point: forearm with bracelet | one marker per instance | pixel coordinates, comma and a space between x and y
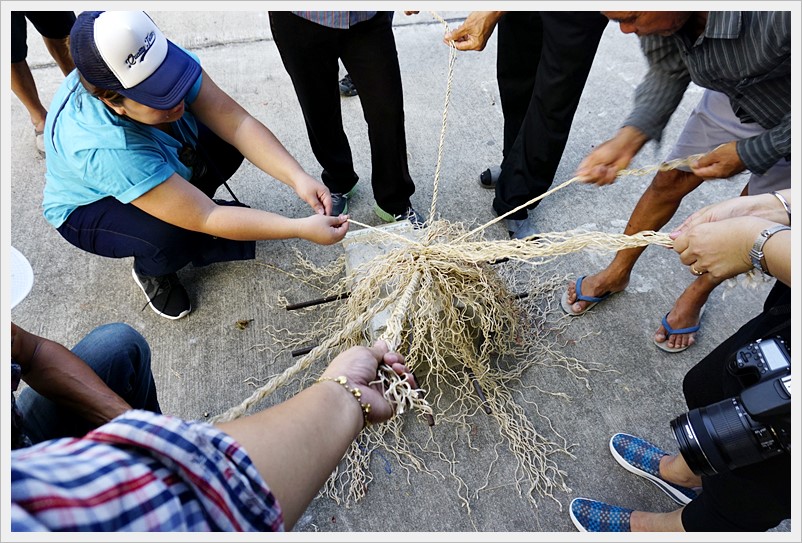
756, 253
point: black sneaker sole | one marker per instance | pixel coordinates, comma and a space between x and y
165, 315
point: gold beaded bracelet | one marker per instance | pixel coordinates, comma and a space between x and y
355, 392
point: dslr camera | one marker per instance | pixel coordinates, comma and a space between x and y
748, 428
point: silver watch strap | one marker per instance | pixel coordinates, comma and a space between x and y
756, 253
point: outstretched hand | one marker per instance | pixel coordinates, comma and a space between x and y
314, 193
720, 248
765, 206
360, 366
474, 33
323, 229
602, 165
721, 163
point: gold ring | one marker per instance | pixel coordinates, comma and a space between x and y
695, 271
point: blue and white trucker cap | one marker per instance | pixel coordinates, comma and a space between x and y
126, 52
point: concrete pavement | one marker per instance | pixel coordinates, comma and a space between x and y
201, 363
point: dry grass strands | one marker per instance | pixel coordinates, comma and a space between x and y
453, 315
456, 318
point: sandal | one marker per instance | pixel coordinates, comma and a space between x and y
488, 178
40, 141
581, 298
675, 331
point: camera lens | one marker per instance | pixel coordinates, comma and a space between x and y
721, 437
689, 443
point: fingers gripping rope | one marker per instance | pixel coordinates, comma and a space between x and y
398, 390
662, 167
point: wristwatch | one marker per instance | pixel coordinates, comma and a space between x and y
756, 253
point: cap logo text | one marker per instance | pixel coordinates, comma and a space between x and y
132, 59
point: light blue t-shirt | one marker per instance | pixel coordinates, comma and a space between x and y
92, 153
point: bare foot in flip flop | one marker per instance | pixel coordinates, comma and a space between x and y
592, 290
683, 321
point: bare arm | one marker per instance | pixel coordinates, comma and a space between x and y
56, 373
777, 251
721, 163
717, 239
296, 444
226, 118
180, 203
765, 206
722, 248
475, 30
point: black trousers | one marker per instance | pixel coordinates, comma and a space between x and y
755, 497
543, 62
50, 24
310, 53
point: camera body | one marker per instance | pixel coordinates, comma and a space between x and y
760, 361
748, 428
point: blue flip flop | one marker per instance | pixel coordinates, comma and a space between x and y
675, 331
581, 297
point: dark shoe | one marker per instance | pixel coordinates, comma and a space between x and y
514, 226
339, 202
166, 296
347, 87
488, 178
592, 516
642, 458
409, 214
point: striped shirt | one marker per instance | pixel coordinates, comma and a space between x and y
336, 19
141, 472
743, 54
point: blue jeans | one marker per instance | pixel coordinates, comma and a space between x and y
120, 356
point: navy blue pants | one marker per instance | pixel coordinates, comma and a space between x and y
116, 230
120, 356
544, 59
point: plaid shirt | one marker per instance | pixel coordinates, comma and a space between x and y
743, 54
335, 19
141, 472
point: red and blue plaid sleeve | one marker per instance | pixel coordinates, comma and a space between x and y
141, 472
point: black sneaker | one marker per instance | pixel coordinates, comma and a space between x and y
347, 87
339, 202
166, 296
409, 214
